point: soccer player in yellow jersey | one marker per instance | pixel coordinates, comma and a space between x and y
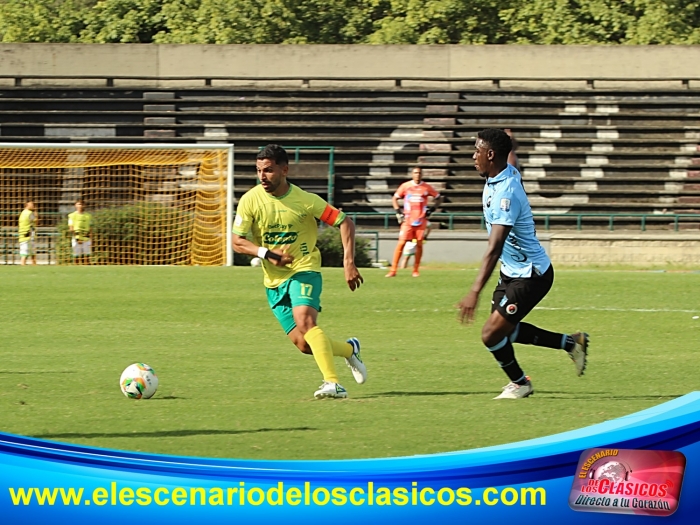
282, 220
27, 226
79, 223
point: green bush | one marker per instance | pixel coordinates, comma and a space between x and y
152, 233
331, 247
142, 233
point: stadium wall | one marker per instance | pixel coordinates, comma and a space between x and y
566, 248
638, 249
183, 63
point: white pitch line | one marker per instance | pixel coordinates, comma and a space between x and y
609, 309
563, 308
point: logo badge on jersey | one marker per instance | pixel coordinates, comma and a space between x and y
511, 309
505, 204
273, 238
488, 202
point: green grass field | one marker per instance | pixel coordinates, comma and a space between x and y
232, 385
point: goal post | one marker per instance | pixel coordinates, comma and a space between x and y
158, 204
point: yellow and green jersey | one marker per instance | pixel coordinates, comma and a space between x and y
81, 224
288, 222
27, 222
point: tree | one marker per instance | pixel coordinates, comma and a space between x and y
441, 22
123, 21
603, 22
268, 21
667, 22
352, 21
42, 20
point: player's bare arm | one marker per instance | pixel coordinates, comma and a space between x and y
497, 238
278, 257
347, 236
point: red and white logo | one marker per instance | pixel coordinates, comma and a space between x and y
619, 481
511, 308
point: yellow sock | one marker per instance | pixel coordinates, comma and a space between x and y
341, 349
322, 349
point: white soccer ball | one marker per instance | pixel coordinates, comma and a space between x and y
256, 261
138, 381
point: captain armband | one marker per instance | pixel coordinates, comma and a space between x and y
330, 215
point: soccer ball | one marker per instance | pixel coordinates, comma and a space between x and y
256, 261
138, 381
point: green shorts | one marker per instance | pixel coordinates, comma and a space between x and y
301, 289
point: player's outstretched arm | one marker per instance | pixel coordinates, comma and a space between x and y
497, 238
347, 236
276, 256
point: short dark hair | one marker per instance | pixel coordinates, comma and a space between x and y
498, 140
274, 152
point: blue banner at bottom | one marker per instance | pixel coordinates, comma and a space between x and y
557, 477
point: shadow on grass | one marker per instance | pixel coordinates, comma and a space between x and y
606, 395
421, 393
538, 393
166, 433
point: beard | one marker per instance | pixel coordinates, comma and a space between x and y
270, 187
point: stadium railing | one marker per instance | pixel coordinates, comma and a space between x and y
47, 238
372, 237
673, 219
45, 242
305, 80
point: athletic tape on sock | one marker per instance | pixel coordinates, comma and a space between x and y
499, 345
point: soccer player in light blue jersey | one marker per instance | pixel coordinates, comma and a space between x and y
526, 271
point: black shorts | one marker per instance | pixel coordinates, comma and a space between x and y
514, 297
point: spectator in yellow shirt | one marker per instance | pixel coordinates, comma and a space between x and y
79, 223
27, 230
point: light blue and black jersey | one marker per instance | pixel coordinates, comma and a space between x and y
505, 203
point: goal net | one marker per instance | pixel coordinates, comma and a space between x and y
150, 204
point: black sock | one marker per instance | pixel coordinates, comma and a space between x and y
505, 355
528, 334
569, 343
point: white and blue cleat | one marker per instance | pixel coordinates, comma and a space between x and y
330, 390
359, 370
